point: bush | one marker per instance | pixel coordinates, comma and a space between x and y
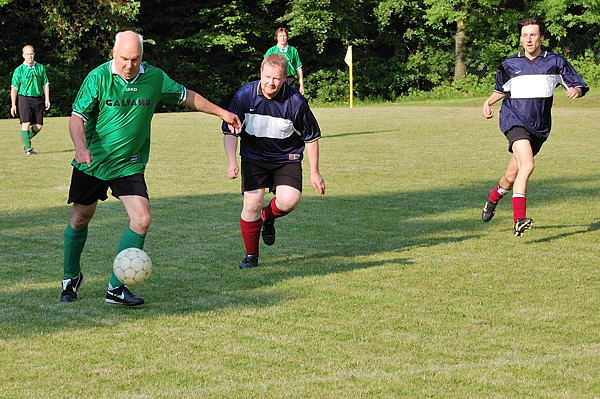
588, 68
327, 86
469, 86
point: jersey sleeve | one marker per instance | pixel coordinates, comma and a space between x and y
502, 79
570, 78
298, 62
16, 79
172, 92
307, 124
45, 77
87, 97
270, 51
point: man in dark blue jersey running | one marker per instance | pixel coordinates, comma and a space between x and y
526, 83
277, 126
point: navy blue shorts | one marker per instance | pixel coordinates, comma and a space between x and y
260, 174
86, 189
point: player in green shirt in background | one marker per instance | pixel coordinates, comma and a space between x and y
30, 93
293, 58
110, 129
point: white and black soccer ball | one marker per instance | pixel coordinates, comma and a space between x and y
132, 266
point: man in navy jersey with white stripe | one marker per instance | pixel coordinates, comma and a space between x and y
277, 126
526, 83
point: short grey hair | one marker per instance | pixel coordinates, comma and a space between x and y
140, 39
275, 59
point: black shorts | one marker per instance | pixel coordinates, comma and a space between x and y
259, 174
86, 189
518, 133
31, 109
291, 81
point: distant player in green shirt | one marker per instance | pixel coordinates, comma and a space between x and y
30, 93
110, 129
293, 58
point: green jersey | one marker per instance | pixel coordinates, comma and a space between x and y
30, 80
293, 58
117, 115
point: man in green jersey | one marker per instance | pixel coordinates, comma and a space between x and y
110, 129
294, 71
30, 93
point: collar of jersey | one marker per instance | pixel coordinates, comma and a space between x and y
543, 54
114, 72
32, 64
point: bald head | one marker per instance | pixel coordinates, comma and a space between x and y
28, 54
129, 38
127, 53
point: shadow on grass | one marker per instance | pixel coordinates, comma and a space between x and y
592, 227
196, 247
329, 136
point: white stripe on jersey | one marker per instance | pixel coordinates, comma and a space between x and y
268, 126
533, 86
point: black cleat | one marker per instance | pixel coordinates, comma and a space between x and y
30, 152
122, 296
488, 210
249, 262
521, 225
70, 286
268, 231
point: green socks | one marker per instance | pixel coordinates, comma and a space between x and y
130, 239
26, 139
74, 240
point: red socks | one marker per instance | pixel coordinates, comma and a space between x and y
251, 235
496, 194
251, 230
271, 211
519, 203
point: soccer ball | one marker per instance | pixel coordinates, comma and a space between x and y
132, 266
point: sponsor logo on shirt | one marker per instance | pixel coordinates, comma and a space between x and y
134, 158
127, 102
293, 157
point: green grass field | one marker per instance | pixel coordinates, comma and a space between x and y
388, 286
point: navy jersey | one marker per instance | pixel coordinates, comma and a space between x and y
529, 86
273, 130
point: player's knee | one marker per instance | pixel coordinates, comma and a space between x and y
79, 221
141, 222
252, 205
509, 180
287, 204
527, 167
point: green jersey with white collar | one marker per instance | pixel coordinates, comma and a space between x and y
117, 115
30, 80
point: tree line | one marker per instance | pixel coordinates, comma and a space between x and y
400, 47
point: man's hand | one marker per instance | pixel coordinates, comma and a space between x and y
232, 171
233, 122
83, 156
486, 110
13, 110
574, 92
317, 182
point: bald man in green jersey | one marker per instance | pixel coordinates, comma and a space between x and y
110, 129
30, 94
